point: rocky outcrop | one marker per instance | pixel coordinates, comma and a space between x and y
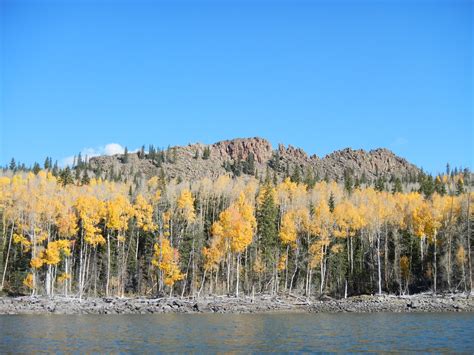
189, 162
240, 148
378, 162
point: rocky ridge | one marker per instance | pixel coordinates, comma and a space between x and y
188, 162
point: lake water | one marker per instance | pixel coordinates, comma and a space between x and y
439, 332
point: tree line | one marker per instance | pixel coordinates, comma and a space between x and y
76, 236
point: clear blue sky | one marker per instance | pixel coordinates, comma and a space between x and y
319, 75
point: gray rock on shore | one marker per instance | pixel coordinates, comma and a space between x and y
224, 304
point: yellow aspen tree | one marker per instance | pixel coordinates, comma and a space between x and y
166, 258
322, 227
91, 211
236, 227
118, 213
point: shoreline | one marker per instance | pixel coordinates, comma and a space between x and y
225, 304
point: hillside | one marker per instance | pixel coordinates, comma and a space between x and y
254, 155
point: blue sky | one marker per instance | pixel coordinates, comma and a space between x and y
321, 75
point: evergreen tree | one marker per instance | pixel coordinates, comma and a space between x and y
380, 184
12, 164
65, 176
55, 168
331, 202
85, 178
249, 165
142, 152
309, 179
267, 220
397, 186
78, 173
348, 181
427, 186
125, 155
47, 164
36, 168
206, 153
296, 176
439, 186
460, 187
357, 183
274, 162
79, 161
326, 177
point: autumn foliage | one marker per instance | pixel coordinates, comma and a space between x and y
230, 235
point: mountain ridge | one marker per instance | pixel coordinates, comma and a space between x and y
255, 156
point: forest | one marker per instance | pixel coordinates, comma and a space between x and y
157, 237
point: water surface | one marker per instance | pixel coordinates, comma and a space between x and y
438, 332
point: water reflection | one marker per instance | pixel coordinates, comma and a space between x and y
223, 333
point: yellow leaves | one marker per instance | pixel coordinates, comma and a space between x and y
212, 256
236, 225
293, 222
461, 256
316, 252
143, 212
264, 190
186, 205
118, 213
20, 239
152, 183
63, 277
91, 211
288, 231
348, 220
405, 266
52, 254
28, 281
258, 265
337, 248
425, 221
282, 262
36, 263
166, 258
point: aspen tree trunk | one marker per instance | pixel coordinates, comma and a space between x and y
8, 254
107, 283
286, 268
397, 261
80, 265
435, 263
48, 281
469, 241
66, 281
238, 276
202, 283
352, 254
385, 258
321, 264
228, 272
193, 273
296, 269
450, 243
379, 267
309, 284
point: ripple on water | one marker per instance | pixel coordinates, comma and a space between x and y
409, 332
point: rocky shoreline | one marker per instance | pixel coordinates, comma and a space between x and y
224, 304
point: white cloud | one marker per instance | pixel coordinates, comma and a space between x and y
113, 148
108, 149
